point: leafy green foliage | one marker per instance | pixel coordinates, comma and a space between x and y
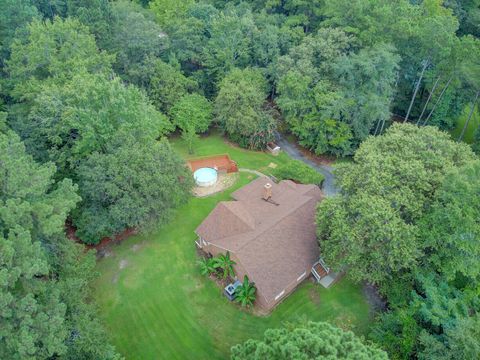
239, 108
436, 316
132, 185
164, 83
193, 115
245, 293
135, 37
373, 226
331, 98
52, 52
224, 263
44, 287
14, 16
306, 341
297, 171
168, 11
68, 123
207, 265
451, 229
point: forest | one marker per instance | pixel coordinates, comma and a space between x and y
92, 91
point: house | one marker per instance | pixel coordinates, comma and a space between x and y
269, 230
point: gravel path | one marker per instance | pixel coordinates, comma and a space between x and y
328, 186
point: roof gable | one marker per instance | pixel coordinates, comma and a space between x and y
227, 219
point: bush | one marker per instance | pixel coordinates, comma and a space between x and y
299, 172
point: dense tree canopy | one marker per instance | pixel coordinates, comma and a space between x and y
240, 108
311, 340
451, 230
43, 313
52, 51
69, 122
132, 185
372, 227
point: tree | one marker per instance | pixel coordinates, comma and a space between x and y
245, 293
165, 84
239, 108
14, 16
135, 37
437, 322
193, 115
52, 51
306, 93
451, 229
229, 43
44, 311
306, 341
372, 227
367, 80
133, 184
226, 264
95, 14
169, 11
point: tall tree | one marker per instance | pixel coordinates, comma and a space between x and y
239, 108
372, 227
193, 115
451, 229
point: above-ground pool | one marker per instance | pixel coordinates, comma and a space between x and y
205, 177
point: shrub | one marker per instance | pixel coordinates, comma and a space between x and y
299, 172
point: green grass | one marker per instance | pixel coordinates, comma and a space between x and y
215, 144
472, 125
158, 306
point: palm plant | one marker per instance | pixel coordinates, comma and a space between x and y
207, 266
245, 293
226, 264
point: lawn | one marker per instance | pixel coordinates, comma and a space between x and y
214, 143
472, 125
156, 305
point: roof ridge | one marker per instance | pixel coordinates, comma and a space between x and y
288, 213
240, 216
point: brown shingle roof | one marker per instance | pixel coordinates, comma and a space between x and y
274, 243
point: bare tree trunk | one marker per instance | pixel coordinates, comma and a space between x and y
460, 138
425, 64
428, 100
438, 100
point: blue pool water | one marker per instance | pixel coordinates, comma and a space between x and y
205, 176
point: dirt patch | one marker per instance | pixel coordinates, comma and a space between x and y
376, 302
115, 278
122, 264
314, 296
272, 165
137, 247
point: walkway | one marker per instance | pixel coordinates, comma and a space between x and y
329, 188
258, 173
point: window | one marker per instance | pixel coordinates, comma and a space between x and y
301, 276
279, 295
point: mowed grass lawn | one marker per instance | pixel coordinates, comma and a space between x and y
156, 305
